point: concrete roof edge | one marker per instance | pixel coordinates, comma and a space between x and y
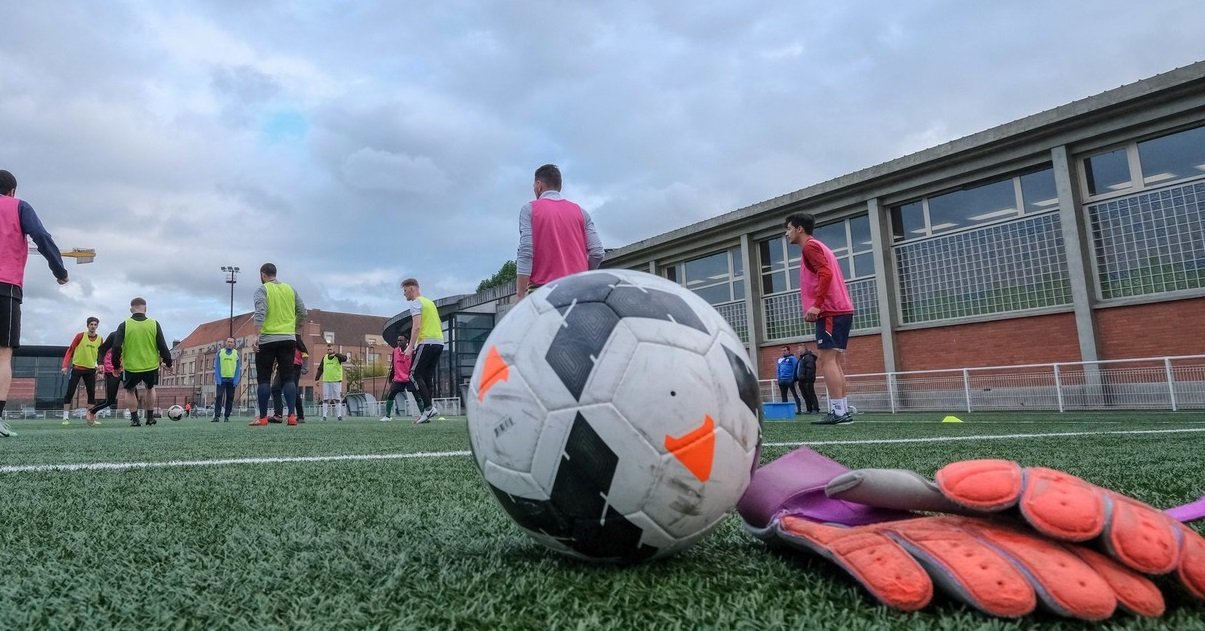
1010, 132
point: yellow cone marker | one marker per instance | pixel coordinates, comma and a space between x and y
951, 419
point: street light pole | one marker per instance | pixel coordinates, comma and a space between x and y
233, 273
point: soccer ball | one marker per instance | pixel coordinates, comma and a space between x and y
614, 415
175, 412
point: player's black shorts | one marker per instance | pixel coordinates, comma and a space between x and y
89, 379
10, 322
132, 379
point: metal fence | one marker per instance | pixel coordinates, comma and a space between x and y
1153, 383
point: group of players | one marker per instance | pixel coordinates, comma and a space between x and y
556, 238
135, 352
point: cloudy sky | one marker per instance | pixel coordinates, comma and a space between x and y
357, 143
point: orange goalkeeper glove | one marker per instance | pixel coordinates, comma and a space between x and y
1022, 538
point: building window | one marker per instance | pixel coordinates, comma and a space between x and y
1173, 157
1138, 166
776, 266
717, 277
976, 205
1038, 191
1150, 243
851, 243
848, 239
1107, 172
1003, 267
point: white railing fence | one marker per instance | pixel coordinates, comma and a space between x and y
1152, 383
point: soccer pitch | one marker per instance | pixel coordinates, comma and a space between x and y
364, 524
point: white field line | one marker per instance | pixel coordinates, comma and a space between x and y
122, 466
951, 439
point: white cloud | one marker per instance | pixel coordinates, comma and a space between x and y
376, 170
406, 135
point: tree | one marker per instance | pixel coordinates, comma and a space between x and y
357, 375
504, 275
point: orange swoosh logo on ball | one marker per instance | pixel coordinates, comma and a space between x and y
696, 449
495, 370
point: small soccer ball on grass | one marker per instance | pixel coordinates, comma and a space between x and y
614, 415
175, 412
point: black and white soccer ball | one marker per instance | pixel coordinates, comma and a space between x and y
614, 415
175, 412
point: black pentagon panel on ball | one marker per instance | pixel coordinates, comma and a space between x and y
635, 302
571, 354
746, 382
580, 288
576, 513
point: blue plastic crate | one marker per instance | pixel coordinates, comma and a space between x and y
778, 411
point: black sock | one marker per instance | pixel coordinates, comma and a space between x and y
2, 407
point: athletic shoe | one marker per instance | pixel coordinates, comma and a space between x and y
322, 419
134, 420
434, 412
853, 409
5, 430
276, 418
259, 422
832, 418
215, 420
385, 419
89, 418
340, 419
65, 422
151, 419
226, 419
292, 420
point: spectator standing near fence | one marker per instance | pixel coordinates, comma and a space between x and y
787, 365
805, 373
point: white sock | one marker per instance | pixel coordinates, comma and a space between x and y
839, 406
339, 407
324, 409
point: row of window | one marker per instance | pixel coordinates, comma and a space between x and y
1153, 162
975, 205
718, 277
996, 246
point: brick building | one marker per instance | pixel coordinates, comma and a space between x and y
1073, 235
357, 336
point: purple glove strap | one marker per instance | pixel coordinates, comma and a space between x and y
794, 484
1191, 511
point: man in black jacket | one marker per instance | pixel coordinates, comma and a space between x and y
806, 375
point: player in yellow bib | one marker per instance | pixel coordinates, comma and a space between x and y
227, 371
330, 375
80, 361
139, 348
279, 313
426, 344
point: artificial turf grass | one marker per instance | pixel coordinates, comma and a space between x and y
410, 543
